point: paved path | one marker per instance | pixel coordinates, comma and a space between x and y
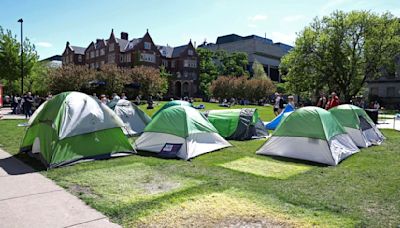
6, 115
28, 199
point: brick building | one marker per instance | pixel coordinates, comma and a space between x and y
181, 62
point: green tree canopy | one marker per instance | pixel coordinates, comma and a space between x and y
10, 59
340, 52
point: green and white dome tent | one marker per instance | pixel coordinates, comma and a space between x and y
135, 120
311, 134
73, 126
358, 125
182, 132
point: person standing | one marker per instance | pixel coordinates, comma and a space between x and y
277, 103
27, 104
123, 96
322, 100
291, 102
333, 102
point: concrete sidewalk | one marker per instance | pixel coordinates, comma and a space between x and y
28, 199
6, 115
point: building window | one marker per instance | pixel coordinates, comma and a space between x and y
92, 65
111, 47
190, 52
147, 45
121, 58
128, 57
102, 52
97, 53
97, 64
374, 91
92, 54
70, 59
102, 63
80, 58
165, 63
178, 75
190, 63
390, 91
173, 64
87, 56
148, 58
185, 74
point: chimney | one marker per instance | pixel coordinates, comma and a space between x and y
124, 36
98, 40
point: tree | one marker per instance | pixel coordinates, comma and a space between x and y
10, 65
258, 71
232, 64
207, 69
242, 87
113, 77
9, 56
340, 52
149, 80
70, 78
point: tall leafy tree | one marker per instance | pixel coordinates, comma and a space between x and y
10, 65
208, 71
258, 71
341, 51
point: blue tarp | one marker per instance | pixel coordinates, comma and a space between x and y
275, 122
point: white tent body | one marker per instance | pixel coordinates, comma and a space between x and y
310, 149
83, 114
192, 146
133, 122
365, 137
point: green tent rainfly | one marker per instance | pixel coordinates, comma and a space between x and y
312, 134
180, 131
358, 125
73, 126
237, 124
173, 103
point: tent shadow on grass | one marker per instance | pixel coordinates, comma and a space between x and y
11, 165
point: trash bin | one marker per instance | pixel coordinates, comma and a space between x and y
373, 114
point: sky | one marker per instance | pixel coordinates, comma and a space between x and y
49, 24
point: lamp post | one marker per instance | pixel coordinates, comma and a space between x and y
22, 58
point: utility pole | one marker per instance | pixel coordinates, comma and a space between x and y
22, 58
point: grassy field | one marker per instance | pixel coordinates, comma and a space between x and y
235, 187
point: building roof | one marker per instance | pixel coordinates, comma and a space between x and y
78, 50
132, 43
52, 58
122, 44
178, 50
165, 51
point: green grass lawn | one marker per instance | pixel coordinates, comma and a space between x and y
236, 187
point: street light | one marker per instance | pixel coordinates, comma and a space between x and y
22, 59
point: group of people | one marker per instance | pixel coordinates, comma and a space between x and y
27, 103
328, 103
280, 103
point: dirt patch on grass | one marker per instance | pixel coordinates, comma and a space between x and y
79, 190
156, 187
215, 210
251, 223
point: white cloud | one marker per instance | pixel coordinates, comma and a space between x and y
44, 44
294, 18
330, 6
252, 25
283, 37
258, 17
